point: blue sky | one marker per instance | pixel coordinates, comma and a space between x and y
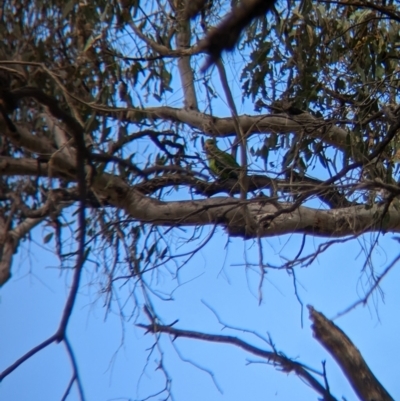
112, 355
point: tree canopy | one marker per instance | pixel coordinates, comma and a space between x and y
105, 108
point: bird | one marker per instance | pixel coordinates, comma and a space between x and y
222, 164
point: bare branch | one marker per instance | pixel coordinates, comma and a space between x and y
373, 288
9, 240
25, 357
225, 127
349, 358
74, 364
10, 166
183, 38
275, 358
266, 216
162, 50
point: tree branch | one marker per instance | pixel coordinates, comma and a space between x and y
9, 240
226, 211
218, 127
349, 358
25, 357
225, 127
262, 212
162, 50
275, 358
182, 39
240, 136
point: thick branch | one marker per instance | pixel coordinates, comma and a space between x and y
22, 166
185, 70
219, 127
330, 196
261, 220
224, 127
265, 216
228, 212
349, 358
21, 137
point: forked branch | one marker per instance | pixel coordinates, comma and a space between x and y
274, 358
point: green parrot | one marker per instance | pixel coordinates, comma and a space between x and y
222, 164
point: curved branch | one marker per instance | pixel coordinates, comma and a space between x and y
162, 50
275, 358
225, 127
263, 211
218, 127
264, 217
25, 357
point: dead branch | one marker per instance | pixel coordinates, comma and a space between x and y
349, 358
275, 358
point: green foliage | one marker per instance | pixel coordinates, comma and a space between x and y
336, 61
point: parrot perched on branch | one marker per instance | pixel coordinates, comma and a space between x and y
222, 164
